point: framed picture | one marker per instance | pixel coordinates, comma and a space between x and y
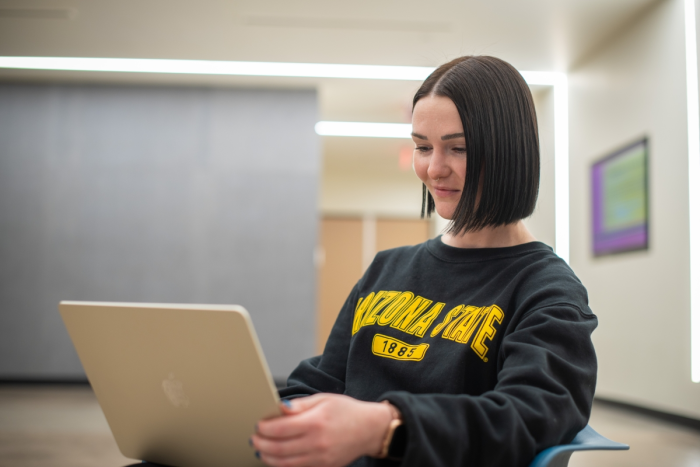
620, 192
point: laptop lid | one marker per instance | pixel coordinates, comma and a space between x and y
180, 385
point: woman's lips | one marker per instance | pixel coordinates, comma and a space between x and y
444, 192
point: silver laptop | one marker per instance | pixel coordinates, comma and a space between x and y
180, 385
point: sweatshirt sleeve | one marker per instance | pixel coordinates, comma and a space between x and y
325, 373
542, 398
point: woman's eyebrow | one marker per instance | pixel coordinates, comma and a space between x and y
452, 136
419, 136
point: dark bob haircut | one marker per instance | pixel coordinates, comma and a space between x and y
500, 127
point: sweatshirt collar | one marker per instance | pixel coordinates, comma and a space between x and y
466, 255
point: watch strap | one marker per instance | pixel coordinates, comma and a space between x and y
396, 421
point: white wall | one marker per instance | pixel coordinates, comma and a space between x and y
362, 176
632, 87
541, 223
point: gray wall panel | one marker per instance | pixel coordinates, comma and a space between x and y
155, 194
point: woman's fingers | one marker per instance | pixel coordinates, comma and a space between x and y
295, 461
324, 430
302, 404
280, 447
289, 426
288, 408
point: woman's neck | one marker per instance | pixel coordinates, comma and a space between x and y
491, 237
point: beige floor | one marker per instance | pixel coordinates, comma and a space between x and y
63, 426
44, 426
652, 443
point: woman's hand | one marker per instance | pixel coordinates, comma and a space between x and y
326, 430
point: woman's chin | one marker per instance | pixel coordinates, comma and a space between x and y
445, 212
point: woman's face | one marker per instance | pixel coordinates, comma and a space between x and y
440, 156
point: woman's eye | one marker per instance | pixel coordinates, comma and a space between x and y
460, 150
422, 148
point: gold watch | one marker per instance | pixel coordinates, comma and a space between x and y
396, 421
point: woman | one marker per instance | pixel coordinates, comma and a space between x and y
472, 348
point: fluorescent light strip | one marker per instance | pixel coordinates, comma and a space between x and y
542, 78
324, 70
561, 166
364, 129
211, 67
691, 69
234, 68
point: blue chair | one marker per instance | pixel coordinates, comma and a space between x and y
586, 440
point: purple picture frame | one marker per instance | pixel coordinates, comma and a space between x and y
620, 215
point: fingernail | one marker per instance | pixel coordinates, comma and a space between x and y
257, 454
287, 403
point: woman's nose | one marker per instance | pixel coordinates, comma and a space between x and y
438, 167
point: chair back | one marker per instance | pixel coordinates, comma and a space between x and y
586, 440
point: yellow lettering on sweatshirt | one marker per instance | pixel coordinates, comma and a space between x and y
362, 305
381, 300
394, 308
424, 321
487, 331
453, 314
410, 312
389, 347
464, 324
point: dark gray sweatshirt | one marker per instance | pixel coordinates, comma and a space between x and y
486, 352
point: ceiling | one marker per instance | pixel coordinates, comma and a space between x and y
546, 35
